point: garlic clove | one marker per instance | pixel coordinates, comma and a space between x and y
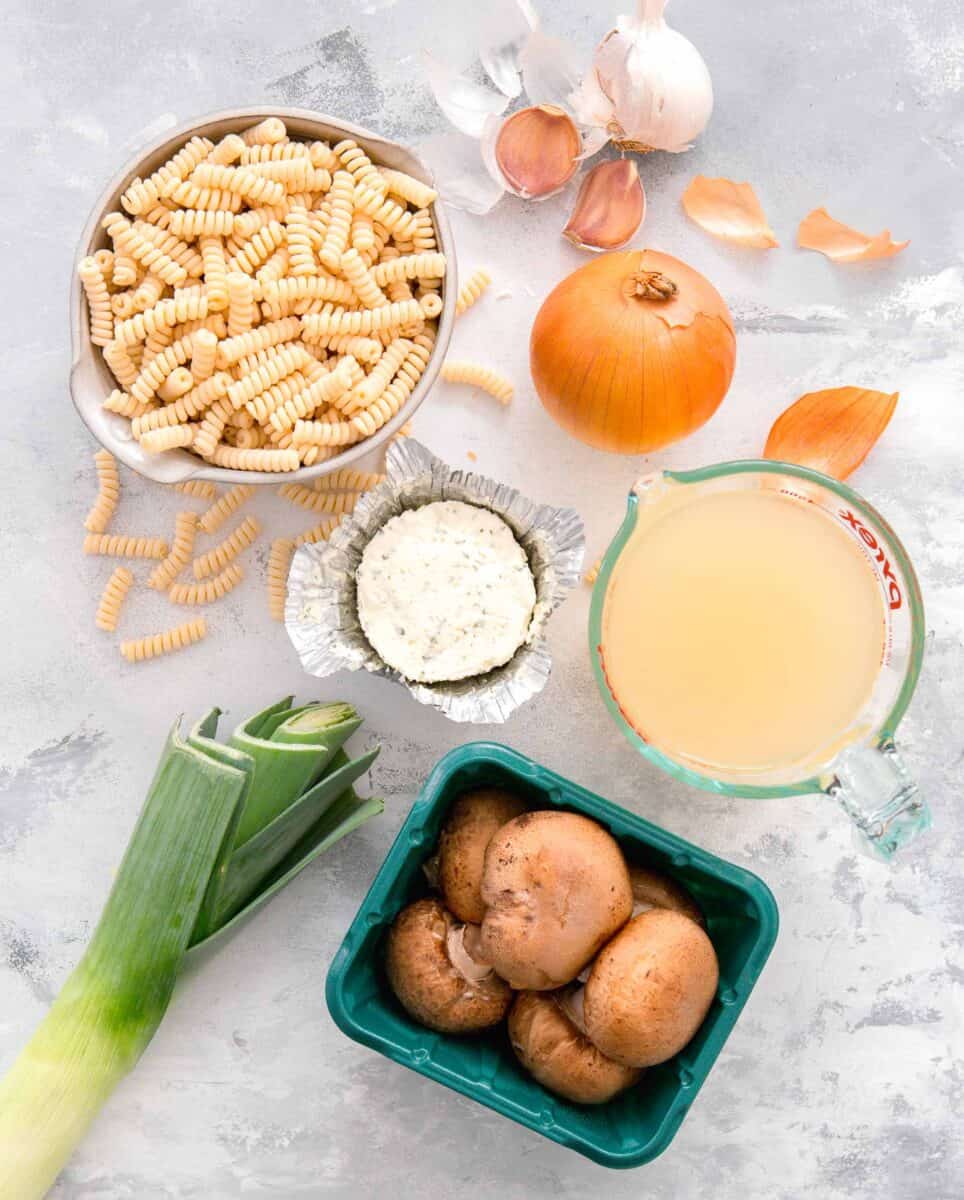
831, 431
728, 210
536, 151
819, 231
610, 207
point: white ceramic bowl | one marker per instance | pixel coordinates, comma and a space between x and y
90, 379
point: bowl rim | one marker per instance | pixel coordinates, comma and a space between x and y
373, 911
179, 465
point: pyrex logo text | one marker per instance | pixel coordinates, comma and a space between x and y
893, 587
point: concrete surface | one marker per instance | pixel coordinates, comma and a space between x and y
844, 1079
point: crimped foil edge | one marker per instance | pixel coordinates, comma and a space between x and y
321, 612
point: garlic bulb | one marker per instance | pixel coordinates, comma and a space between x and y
648, 86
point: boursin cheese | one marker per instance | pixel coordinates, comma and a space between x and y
445, 592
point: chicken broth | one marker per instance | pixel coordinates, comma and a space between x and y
742, 630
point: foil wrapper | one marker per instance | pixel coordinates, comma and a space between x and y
321, 614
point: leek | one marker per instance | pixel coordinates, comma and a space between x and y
224, 828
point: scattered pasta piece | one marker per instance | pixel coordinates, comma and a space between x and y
318, 533
279, 560
212, 520
237, 541
112, 597
338, 503
117, 545
271, 276
208, 590
472, 289
167, 642
108, 493
198, 488
471, 456
347, 479
476, 375
185, 531
592, 574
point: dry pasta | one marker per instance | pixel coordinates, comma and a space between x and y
112, 597
197, 488
361, 280
178, 383
592, 574
413, 191
409, 266
238, 540
362, 169
476, 375
119, 546
209, 590
341, 201
237, 459
204, 352
337, 503
279, 561
195, 222
241, 306
296, 263
156, 441
167, 642
471, 290
212, 520
271, 129
98, 302
347, 479
185, 531
108, 493
318, 533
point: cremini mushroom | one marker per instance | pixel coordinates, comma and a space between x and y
550, 1045
650, 988
435, 970
652, 889
556, 888
474, 818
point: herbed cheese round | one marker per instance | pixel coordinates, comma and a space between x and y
445, 592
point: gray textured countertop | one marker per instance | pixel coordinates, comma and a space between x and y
844, 1077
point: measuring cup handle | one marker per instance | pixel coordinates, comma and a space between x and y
880, 797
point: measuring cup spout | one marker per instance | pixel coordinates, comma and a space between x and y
880, 797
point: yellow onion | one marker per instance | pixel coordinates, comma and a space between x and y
610, 207
633, 351
537, 150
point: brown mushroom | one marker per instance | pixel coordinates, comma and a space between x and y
652, 889
550, 1045
650, 988
556, 888
435, 970
474, 818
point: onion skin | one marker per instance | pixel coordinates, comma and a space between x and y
632, 351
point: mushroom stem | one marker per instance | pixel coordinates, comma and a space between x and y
465, 955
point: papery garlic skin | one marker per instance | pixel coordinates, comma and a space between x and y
648, 85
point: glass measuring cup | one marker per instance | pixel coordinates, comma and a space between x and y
863, 769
